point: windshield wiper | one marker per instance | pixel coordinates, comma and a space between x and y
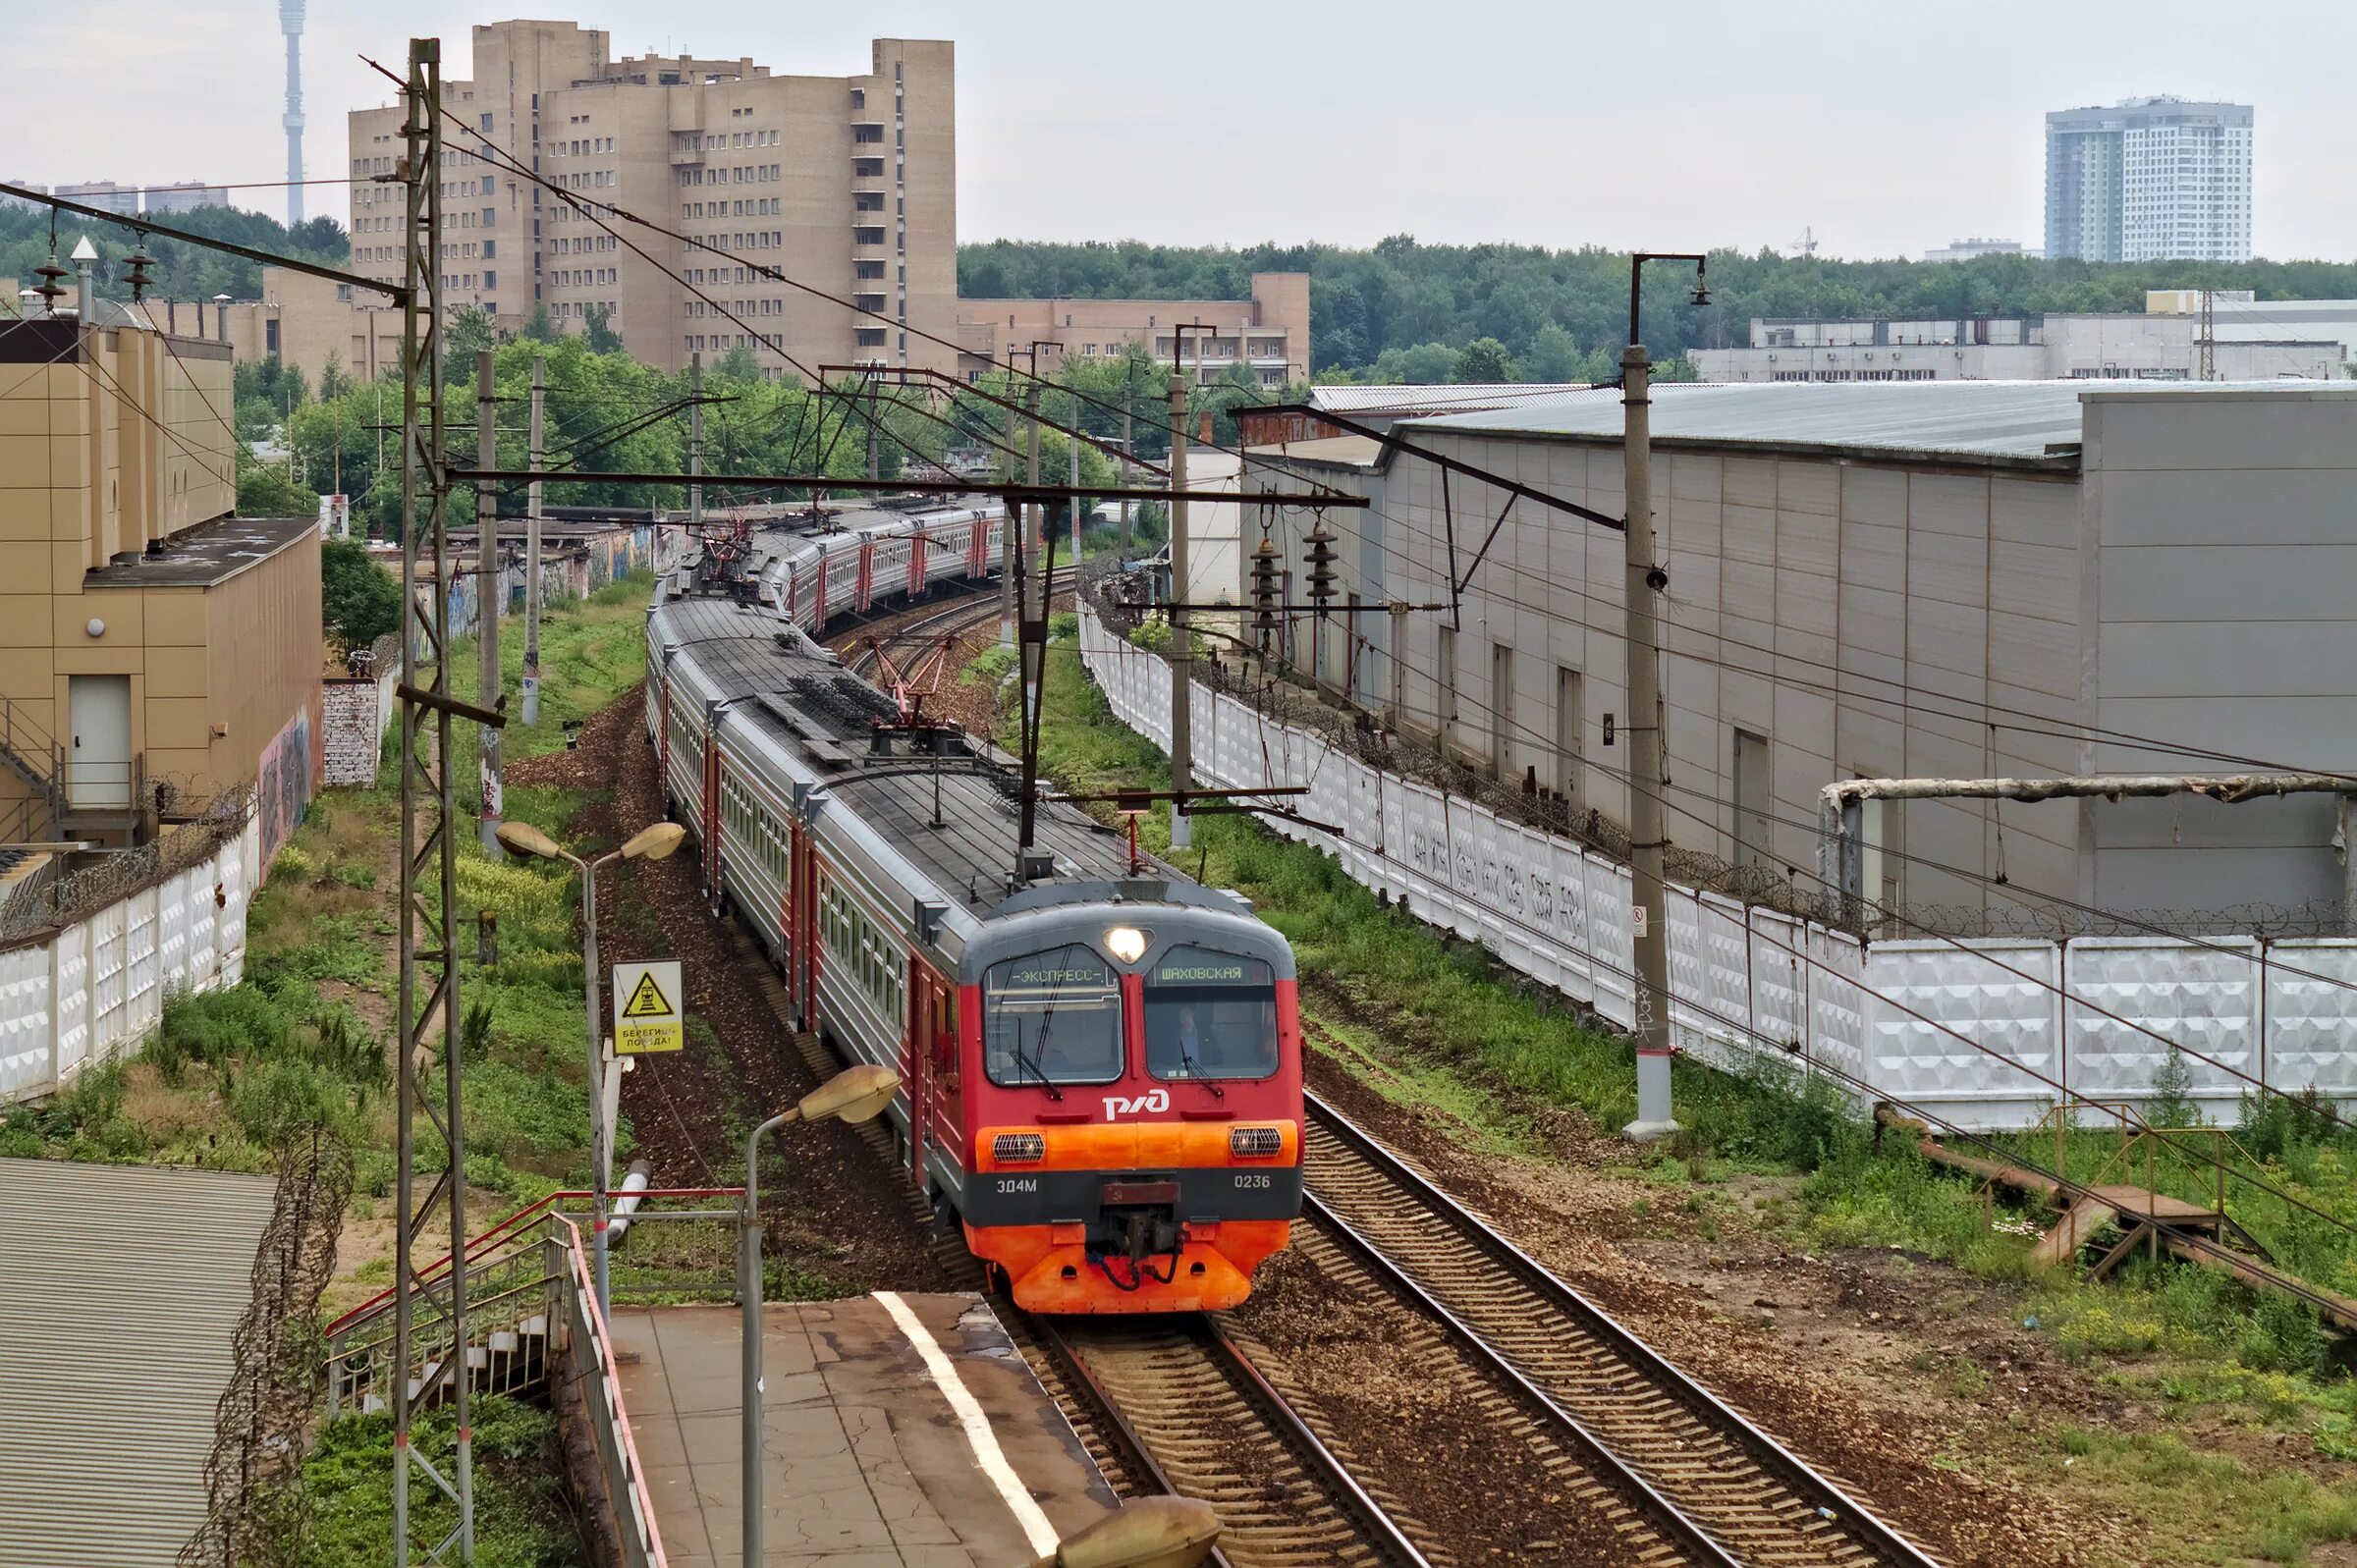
1024, 1060
1194, 1071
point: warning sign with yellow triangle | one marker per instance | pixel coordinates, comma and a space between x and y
646, 999
646, 1011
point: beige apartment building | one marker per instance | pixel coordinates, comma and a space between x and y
846, 184
155, 649
300, 321
1267, 334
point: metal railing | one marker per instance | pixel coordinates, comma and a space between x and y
29, 750
532, 1318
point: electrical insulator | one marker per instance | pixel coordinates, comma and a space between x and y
1264, 593
1321, 566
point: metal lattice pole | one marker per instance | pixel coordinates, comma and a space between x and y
429, 971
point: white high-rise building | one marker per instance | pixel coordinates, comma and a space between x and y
2149, 180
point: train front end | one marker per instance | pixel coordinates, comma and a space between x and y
1135, 1098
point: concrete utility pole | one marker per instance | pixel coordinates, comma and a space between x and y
487, 594
1071, 452
1643, 725
695, 438
531, 546
1128, 408
1009, 579
874, 456
1034, 515
1181, 650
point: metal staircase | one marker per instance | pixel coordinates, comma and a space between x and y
32, 754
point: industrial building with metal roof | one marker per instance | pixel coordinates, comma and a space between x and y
1953, 580
120, 1289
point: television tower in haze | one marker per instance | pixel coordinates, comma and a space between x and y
290, 23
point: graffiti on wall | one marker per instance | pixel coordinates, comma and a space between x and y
283, 789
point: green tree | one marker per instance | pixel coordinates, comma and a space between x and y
359, 600
1555, 354
333, 382
541, 327
467, 333
1484, 360
739, 364
265, 491
1417, 366
597, 326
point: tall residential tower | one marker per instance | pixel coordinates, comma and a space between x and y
848, 184
2149, 180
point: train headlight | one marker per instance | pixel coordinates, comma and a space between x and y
1126, 942
1019, 1148
1255, 1143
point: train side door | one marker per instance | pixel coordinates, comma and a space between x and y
916, 1075
864, 588
711, 786
916, 565
947, 1117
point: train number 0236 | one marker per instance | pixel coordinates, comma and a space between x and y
1251, 1179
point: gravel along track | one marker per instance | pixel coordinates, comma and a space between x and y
1214, 1428
1756, 1503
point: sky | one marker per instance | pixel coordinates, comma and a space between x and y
1883, 129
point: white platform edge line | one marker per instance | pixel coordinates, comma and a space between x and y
978, 1433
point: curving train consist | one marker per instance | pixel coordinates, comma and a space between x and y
1101, 1060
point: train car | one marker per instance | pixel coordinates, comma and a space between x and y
1100, 1060
811, 573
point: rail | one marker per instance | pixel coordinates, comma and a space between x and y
1835, 1513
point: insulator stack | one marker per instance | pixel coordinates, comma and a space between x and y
1264, 593
1321, 566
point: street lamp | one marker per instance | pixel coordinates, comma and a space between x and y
1146, 1533
651, 843
856, 1094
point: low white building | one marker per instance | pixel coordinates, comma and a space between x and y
2111, 346
2031, 579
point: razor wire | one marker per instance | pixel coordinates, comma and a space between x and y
256, 1511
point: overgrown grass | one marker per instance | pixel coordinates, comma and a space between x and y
1450, 998
303, 1039
522, 1516
1454, 1030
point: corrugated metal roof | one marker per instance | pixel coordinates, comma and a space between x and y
1412, 400
119, 1287
2024, 422
1352, 451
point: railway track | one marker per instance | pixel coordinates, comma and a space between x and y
1180, 1406
861, 650
1696, 1471
1173, 1405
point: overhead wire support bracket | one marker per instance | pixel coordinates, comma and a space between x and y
144, 225
921, 376
1010, 489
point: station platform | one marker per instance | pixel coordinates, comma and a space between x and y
898, 1431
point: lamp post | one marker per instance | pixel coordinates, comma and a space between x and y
1642, 581
856, 1094
651, 843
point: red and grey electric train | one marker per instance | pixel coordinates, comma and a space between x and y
1101, 1068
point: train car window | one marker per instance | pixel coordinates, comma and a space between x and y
1210, 1015
1052, 1017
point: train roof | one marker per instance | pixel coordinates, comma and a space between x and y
798, 699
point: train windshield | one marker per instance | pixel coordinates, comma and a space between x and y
1210, 1015
1053, 1018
